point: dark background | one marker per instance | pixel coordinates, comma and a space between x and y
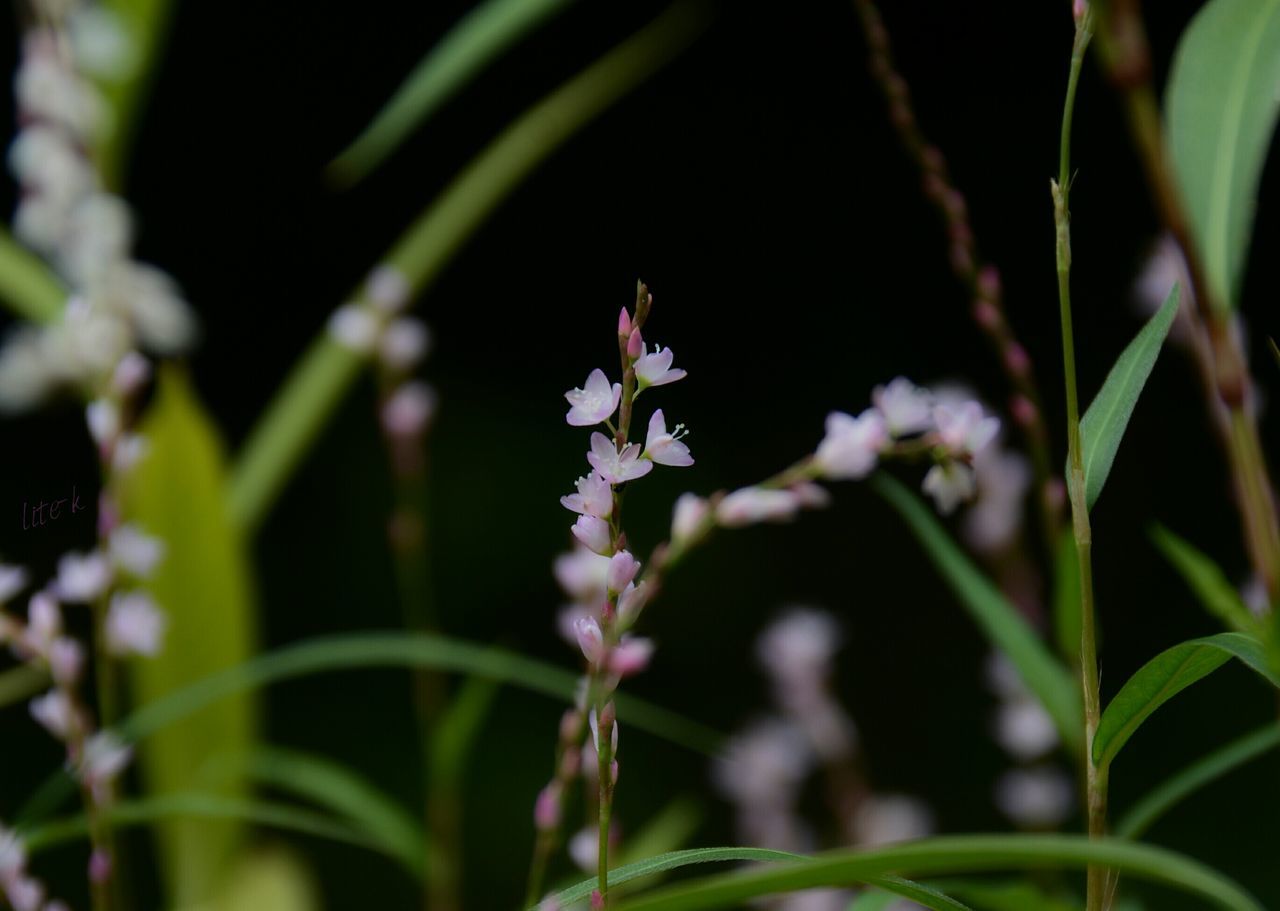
756, 186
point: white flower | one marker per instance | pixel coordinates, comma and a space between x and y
164, 321
131, 373
594, 497
1025, 729
24, 893
135, 551
55, 713
26, 375
1039, 798
756, 504
134, 625
764, 764
799, 645
1165, 265
906, 407
622, 569
82, 577
949, 484
655, 369
584, 848
44, 621
103, 418
632, 601
581, 574
617, 467
887, 818
387, 289
595, 402
99, 233
964, 429
690, 511
129, 450
409, 410
404, 343
666, 448
13, 855
995, 518
354, 327
66, 660
851, 447
13, 579
105, 757
594, 534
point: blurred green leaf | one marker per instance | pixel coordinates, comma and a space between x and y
950, 854
1006, 896
177, 492
1143, 814
1221, 106
295, 416
269, 879
1163, 677
1103, 425
454, 734
1206, 579
920, 894
144, 23
1044, 676
202, 807
674, 860
472, 44
22, 682
343, 792
1066, 597
28, 287
873, 900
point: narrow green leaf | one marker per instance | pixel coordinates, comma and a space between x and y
1221, 107
873, 900
205, 808
144, 23
1006, 896
343, 792
312, 391
666, 831
27, 286
674, 860
1000, 621
1206, 579
922, 895
1066, 597
952, 854
1166, 675
268, 879
178, 493
471, 45
1165, 796
1103, 425
21, 682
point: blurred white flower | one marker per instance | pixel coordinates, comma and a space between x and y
965, 429
404, 343
134, 550
354, 327
1035, 798
13, 579
1024, 729
851, 447
949, 484
55, 713
387, 289
689, 512
756, 504
82, 577
906, 407
134, 625
409, 410
887, 818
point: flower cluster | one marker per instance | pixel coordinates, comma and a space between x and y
23, 891
1037, 794
767, 765
118, 305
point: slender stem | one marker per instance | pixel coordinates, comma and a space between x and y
1096, 777
604, 764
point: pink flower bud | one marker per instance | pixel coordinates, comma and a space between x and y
624, 323
1023, 411
570, 724
1017, 359
546, 809
635, 345
66, 659
631, 657
99, 866
590, 639
613, 772
130, 374
594, 534
570, 763
622, 569
597, 900
632, 601
989, 283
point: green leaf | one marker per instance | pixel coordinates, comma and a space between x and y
1044, 676
177, 492
479, 37
22, 682
454, 735
1103, 425
203, 807
1143, 814
268, 878
674, 860
925, 896
1206, 579
313, 389
666, 831
1221, 107
27, 286
953, 854
1006, 896
1163, 677
873, 900
344, 793
1066, 597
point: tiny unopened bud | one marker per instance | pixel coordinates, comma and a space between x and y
1078, 10
594, 534
354, 327
570, 724
408, 411
613, 772
624, 323
1017, 360
388, 289
597, 900
404, 342
635, 345
99, 867
986, 315
989, 283
622, 569
131, 373
546, 809
1023, 411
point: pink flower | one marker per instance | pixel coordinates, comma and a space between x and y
590, 639
13, 579
105, 757
82, 577
134, 625
135, 551
622, 569
546, 809
632, 601
594, 497
594, 534
617, 467
66, 660
906, 407
655, 369
690, 510
949, 484
852, 445
964, 428
596, 401
666, 448
581, 574
756, 504
54, 711
630, 657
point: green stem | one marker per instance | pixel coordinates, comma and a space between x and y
1095, 775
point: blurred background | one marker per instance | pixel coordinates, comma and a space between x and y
756, 185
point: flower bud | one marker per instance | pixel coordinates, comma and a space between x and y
635, 345
622, 569
546, 809
590, 639
594, 534
624, 323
